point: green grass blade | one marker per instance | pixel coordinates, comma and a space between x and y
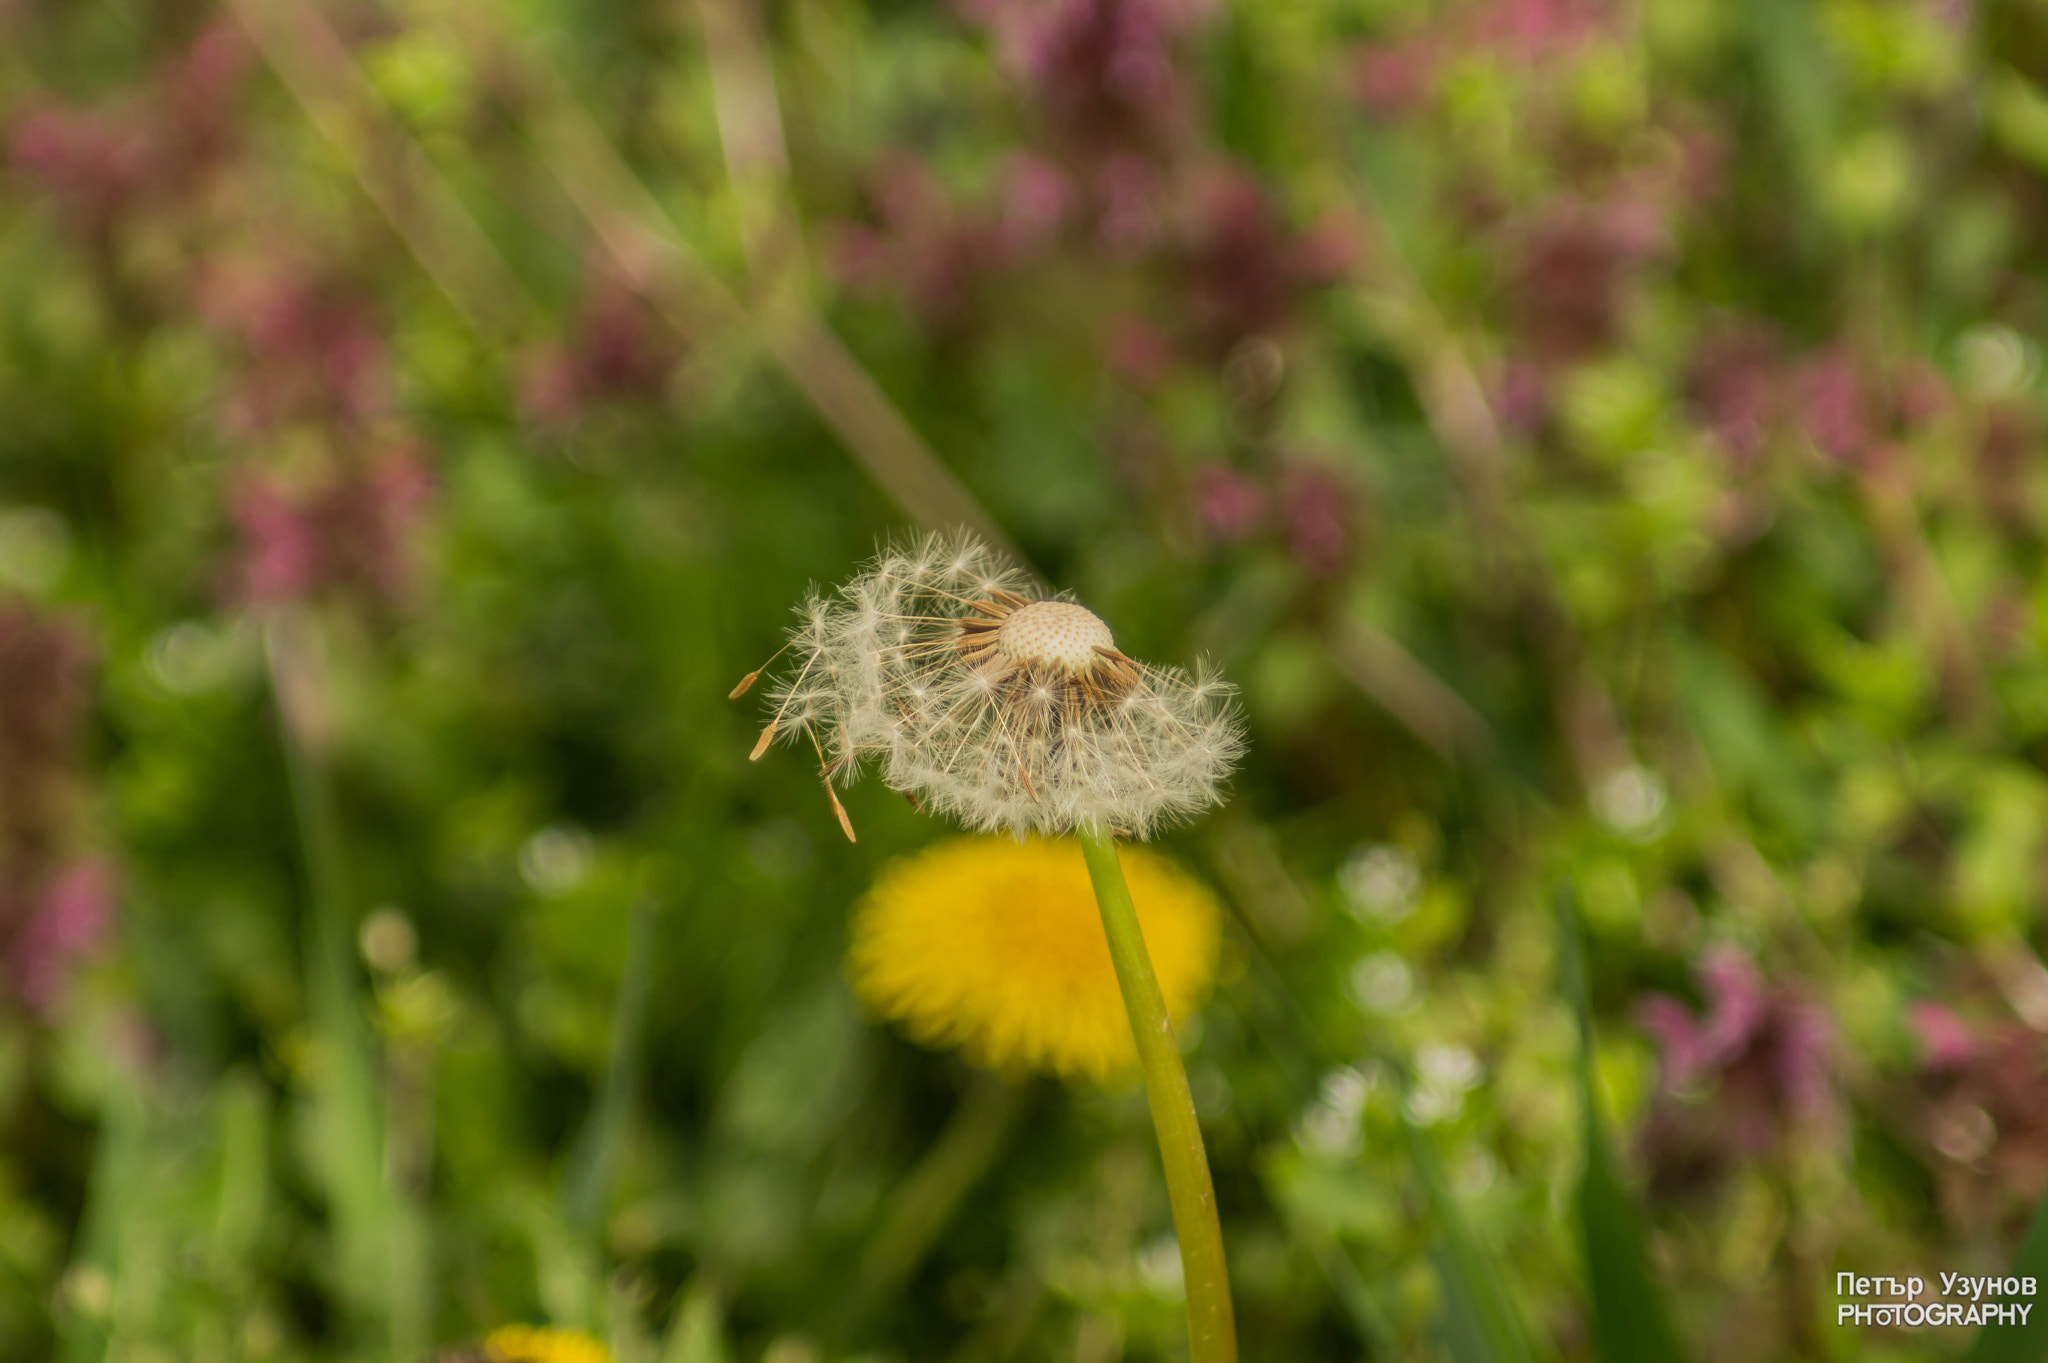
586, 1186
1631, 1321
697, 1334
2020, 1343
1479, 1323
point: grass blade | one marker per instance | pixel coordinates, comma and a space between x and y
2020, 1343
587, 1184
1479, 1323
1630, 1318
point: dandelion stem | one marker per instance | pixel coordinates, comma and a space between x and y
1212, 1334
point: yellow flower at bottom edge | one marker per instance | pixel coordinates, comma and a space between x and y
532, 1344
997, 948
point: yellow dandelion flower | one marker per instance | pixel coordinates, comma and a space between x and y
534, 1344
996, 947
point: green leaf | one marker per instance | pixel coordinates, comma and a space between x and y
1630, 1318
697, 1334
1478, 1323
2020, 1343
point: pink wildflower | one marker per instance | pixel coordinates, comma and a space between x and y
66, 923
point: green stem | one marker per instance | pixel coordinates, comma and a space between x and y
372, 1240
926, 1202
586, 1191
1212, 1335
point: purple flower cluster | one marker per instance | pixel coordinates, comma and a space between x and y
1746, 388
1113, 183
1308, 508
1571, 268
310, 350
616, 350
1736, 389
1978, 1107
1102, 75
1394, 76
1239, 272
348, 531
313, 360
1112, 110
55, 905
309, 368
932, 251
104, 164
1738, 1081
1113, 167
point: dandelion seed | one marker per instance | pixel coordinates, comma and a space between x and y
995, 947
988, 700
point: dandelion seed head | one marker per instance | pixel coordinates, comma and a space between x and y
989, 701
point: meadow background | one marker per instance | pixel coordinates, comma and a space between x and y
1602, 440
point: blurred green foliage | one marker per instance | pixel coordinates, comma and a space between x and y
1602, 441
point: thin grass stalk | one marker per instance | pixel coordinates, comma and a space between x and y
379, 1252
1212, 1331
586, 1190
929, 1198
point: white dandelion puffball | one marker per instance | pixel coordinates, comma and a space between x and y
983, 698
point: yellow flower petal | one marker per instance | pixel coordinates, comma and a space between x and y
997, 948
532, 1344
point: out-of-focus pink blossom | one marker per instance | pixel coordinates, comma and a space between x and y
1038, 201
1311, 509
617, 351
1232, 505
1737, 1080
1978, 1104
280, 542
199, 93
1395, 77
1129, 204
922, 245
42, 705
1744, 1023
624, 351
1521, 397
103, 163
1836, 406
1946, 1041
94, 167
1242, 272
1316, 508
1139, 351
1570, 270
351, 531
313, 350
1737, 388
2007, 436
1854, 416
1533, 30
44, 912
1101, 74
41, 659
66, 923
